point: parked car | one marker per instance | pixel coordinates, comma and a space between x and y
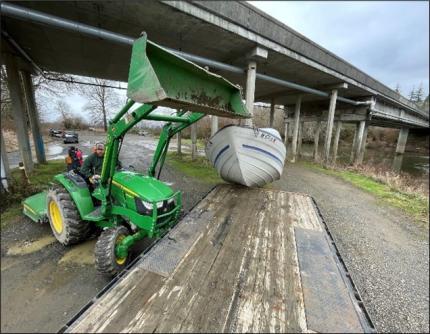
55, 133
70, 137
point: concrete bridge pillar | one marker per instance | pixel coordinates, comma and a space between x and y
359, 144
286, 121
330, 119
250, 90
296, 128
336, 140
16, 95
33, 117
5, 170
272, 113
401, 140
300, 139
362, 147
193, 141
214, 124
316, 140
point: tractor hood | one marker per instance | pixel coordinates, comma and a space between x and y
142, 186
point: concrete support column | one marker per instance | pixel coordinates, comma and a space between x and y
33, 117
401, 140
336, 140
362, 147
214, 124
179, 137
354, 143
16, 94
5, 170
300, 139
250, 89
286, 126
296, 129
272, 113
359, 141
316, 140
330, 119
193, 141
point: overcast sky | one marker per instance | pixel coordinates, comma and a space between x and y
389, 40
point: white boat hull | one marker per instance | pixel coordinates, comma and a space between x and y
249, 156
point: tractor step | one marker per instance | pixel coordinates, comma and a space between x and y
95, 215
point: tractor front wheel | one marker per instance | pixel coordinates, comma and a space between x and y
64, 218
107, 261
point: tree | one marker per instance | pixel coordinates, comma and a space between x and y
64, 111
419, 94
397, 89
103, 100
412, 95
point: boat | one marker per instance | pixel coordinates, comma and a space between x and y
246, 155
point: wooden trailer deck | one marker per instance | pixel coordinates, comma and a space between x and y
243, 260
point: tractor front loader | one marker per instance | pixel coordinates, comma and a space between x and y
129, 205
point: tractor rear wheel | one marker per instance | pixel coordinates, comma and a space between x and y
64, 218
107, 261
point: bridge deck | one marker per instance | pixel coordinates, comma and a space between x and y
243, 260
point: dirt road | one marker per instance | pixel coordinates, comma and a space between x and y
44, 284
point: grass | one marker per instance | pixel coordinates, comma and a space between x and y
200, 143
39, 180
413, 203
200, 168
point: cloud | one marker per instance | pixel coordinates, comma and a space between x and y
387, 40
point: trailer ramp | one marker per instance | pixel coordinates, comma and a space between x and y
243, 260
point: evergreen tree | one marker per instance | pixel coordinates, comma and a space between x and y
419, 94
412, 95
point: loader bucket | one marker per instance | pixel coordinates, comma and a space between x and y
161, 78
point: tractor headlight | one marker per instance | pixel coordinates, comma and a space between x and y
143, 207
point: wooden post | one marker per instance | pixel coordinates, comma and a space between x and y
296, 128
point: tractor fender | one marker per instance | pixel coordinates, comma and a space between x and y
79, 192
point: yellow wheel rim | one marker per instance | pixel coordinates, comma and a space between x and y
120, 260
57, 221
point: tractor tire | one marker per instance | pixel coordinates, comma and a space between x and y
106, 260
64, 218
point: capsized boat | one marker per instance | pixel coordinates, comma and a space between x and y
249, 156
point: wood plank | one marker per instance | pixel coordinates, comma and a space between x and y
237, 269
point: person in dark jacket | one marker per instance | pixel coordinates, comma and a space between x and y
92, 167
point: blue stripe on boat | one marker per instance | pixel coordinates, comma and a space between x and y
225, 148
263, 151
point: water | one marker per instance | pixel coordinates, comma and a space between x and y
413, 163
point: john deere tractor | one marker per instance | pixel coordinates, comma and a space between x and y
127, 205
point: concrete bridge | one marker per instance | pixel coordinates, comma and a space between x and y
274, 63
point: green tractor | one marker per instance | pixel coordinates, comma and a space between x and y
127, 205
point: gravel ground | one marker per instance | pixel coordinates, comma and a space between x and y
386, 252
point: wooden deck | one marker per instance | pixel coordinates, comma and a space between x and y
243, 260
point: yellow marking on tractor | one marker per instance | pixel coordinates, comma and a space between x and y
125, 188
29, 209
120, 260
